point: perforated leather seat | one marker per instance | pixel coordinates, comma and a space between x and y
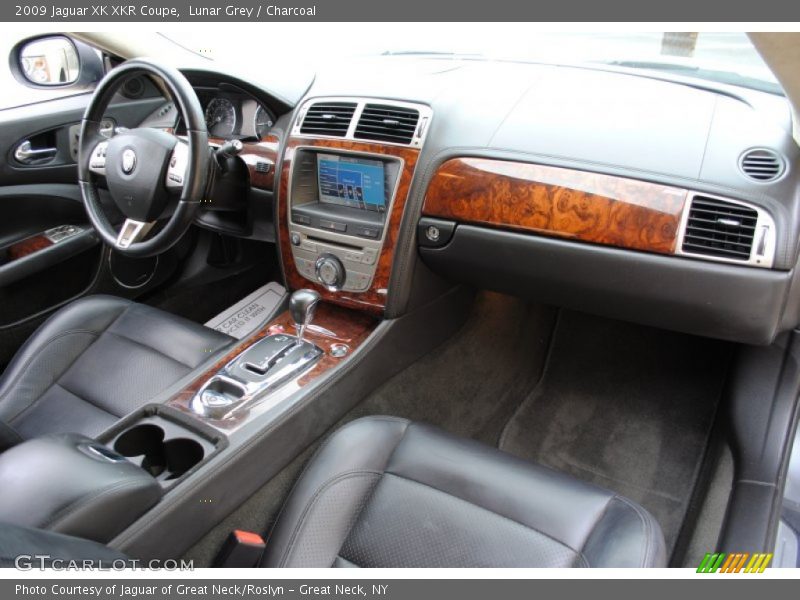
386, 492
94, 361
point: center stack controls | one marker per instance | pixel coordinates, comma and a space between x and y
339, 203
339, 199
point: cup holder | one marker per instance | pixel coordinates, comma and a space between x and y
180, 455
146, 439
164, 459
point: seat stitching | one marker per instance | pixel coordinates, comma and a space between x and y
313, 500
347, 560
318, 452
96, 405
600, 517
35, 355
143, 345
411, 479
146, 312
133, 342
17, 379
87, 400
73, 506
646, 529
30, 406
11, 433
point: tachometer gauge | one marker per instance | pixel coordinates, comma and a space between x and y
263, 121
220, 117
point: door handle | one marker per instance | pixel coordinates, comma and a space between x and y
26, 154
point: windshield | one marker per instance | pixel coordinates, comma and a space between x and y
728, 58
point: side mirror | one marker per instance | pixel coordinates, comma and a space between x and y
50, 61
56, 61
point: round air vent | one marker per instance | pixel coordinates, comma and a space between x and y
762, 164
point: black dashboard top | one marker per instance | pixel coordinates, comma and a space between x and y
682, 132
678, 132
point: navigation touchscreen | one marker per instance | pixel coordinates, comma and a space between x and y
350, 181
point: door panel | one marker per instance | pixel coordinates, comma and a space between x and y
49, 253
31, 209
51, 125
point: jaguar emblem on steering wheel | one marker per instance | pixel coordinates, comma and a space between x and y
128, 161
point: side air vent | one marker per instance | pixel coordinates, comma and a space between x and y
385, 123
719, 228
328, 118
761, 165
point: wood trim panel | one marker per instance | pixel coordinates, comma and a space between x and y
579, 205
331, 325
28, 246
263, 151
372, 300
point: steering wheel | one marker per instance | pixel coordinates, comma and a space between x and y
145, 169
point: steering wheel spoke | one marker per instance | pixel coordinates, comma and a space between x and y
132, 231
97, 160
176, 172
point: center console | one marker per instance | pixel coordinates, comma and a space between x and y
257, 378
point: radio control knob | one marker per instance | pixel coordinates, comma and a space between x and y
330, 272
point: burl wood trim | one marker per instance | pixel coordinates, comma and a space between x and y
262, 151
332, 325
579, 205
27, 247
372, 300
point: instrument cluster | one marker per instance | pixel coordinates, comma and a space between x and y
230, 115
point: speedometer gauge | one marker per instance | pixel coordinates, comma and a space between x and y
263, 121
221, 117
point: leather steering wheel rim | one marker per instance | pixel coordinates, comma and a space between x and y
196, 175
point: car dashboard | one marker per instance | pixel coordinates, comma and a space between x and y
668, 203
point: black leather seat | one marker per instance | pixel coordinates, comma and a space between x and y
386, 492
94, 361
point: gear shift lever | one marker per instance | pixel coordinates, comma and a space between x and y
302, 305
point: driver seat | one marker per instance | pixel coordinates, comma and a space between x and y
95, 361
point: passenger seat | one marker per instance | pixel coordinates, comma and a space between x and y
387, 492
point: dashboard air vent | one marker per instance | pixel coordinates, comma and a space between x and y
328, 118
386, 123
719, 228
761, 165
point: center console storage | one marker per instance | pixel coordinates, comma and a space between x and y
94, 489
72, 484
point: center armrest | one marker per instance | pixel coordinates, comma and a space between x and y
71, 484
